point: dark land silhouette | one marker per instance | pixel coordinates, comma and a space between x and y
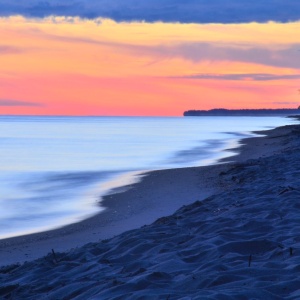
243, 112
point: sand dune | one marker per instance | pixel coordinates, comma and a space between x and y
243, 242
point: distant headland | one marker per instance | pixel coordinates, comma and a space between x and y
243, 112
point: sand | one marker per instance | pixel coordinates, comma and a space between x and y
239, 240
160, 193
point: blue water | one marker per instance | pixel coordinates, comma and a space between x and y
54, 170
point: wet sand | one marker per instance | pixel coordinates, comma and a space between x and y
159, 193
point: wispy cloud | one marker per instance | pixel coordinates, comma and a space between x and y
4, 49
11, 102
243, 77
284, 103
202, 51
287, 57
184, 11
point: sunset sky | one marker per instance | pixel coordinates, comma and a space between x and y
55, 60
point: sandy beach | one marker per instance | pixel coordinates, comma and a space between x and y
228, 231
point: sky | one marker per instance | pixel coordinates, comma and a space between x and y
147, 58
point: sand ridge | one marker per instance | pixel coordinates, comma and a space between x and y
242, 242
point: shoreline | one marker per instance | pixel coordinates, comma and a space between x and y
241, 241
157, 194
124, 211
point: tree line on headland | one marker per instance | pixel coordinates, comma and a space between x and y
243, 112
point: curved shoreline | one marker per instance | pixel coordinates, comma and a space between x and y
241, 242
158, 194
124, 211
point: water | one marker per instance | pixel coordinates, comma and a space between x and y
54, 170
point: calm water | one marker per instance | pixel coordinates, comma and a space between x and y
55, 169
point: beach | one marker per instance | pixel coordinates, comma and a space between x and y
227, 231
